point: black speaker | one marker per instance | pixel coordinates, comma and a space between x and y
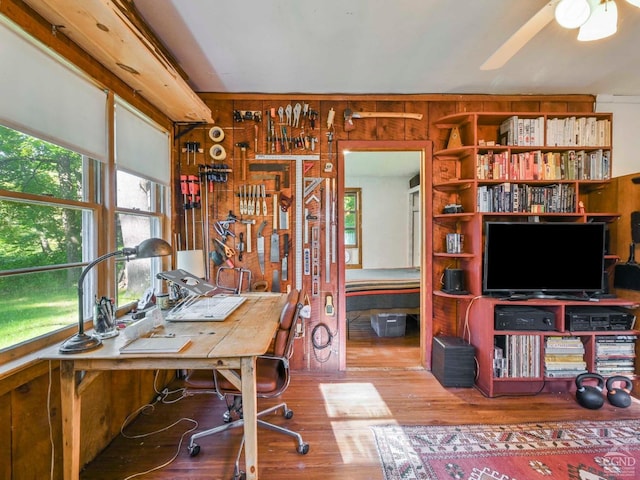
454, 281
453, 361
635, 227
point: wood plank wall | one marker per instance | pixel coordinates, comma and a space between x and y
224, 198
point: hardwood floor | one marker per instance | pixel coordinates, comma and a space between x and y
366, 349
334, 413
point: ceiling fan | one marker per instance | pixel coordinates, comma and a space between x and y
595, 18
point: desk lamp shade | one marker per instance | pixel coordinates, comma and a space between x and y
81, 342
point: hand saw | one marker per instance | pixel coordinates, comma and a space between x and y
260, 246
275, 238
285, 257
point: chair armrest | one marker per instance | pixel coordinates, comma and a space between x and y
268, 356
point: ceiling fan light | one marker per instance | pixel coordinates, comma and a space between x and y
602, 23
572, 13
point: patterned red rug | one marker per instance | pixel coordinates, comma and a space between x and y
586, 450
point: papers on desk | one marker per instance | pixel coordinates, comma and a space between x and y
157, 345
206, 309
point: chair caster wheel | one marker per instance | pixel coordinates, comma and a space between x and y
288, 414
194, 450
303, 449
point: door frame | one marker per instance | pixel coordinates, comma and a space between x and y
425, 147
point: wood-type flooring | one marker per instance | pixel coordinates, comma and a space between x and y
334, 412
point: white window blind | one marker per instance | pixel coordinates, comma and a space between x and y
142, 147
43, 96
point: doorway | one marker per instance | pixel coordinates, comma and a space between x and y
382, 326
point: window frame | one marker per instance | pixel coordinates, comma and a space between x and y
91, 190
357, 193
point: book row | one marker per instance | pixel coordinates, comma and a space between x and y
517, 356
569, 131
523, 198
536, 165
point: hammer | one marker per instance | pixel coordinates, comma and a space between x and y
243, 148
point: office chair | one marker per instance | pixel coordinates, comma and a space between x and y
272, 378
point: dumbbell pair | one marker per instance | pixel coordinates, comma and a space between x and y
591, 397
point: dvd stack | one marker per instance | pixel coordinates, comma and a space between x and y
564, 357
615, 354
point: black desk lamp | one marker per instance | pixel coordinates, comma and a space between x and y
81, 342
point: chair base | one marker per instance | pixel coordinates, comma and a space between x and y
302, 448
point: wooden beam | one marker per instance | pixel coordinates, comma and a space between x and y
104, 30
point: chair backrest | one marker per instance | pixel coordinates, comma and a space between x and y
286, 329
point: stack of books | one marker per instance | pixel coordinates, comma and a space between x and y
615, 354
564, 357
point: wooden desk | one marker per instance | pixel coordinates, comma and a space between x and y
232, 344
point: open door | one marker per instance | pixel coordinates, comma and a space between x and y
414, 238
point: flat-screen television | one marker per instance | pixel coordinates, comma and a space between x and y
543, 259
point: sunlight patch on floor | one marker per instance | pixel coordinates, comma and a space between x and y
353, 400
356, 441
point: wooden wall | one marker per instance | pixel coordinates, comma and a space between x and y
224, 197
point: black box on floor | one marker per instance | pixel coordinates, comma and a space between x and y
452, 361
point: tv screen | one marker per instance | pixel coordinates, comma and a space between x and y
543, 259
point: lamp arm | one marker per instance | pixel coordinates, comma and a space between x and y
81, 281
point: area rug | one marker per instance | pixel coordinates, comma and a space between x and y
585, 450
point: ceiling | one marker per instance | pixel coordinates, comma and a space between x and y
381, 47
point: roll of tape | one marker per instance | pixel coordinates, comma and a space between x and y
260, 286
217, 152
216, 134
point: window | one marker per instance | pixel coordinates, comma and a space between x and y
46, 220
140, 205
352, 227
59, 208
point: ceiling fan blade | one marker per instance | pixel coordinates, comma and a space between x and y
519, 39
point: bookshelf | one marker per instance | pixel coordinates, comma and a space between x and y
514, 166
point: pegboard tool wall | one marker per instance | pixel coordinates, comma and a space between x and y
318, 347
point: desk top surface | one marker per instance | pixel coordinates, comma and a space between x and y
246, 332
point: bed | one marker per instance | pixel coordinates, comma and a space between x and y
374, 290
382, 288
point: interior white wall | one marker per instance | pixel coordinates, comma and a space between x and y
626, 140
385, 221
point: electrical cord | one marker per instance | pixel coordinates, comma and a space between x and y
150, 407
142, 435
316, 336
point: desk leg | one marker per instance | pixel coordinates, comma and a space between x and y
70, 421
249, 413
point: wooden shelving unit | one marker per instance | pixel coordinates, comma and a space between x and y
458, 179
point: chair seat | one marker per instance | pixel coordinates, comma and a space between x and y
270, 376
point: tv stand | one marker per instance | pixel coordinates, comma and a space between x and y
512, 362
